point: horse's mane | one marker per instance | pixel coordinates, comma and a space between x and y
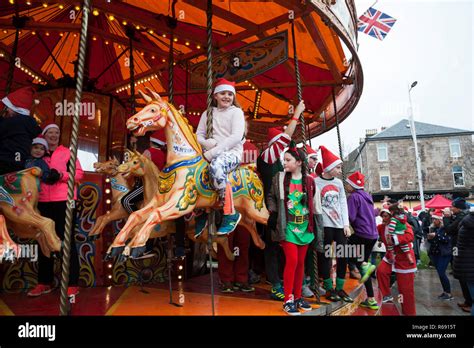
186, 128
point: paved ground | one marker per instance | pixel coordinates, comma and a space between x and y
428, 288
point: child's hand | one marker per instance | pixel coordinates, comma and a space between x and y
209, 143
207, 156
347, 231
299, 109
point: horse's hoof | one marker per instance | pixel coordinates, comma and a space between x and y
115, 251
107, 257
136, 252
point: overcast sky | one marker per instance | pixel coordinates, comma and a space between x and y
432, 43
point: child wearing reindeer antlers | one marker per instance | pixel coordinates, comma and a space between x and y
223, 150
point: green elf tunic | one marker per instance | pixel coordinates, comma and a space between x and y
297, 233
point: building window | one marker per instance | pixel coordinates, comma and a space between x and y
455, 147
385, 183
458, 176
382, 152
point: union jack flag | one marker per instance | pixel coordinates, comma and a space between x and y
375, 23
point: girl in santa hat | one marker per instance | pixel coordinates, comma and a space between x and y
336, 223
293, 203
223, 150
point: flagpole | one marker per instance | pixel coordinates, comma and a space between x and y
376, 1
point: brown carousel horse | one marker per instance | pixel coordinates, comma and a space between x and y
18, 204
184, 182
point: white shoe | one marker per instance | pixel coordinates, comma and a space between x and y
306, 292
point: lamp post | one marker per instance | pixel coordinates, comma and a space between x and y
417, 155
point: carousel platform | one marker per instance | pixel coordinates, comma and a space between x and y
155, 300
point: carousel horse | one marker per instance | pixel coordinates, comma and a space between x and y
18, 204
120, 187
184, 182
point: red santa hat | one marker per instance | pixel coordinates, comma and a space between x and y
319, 169
20, 100
329, 159
42, 141
224, 85
49, 126
311, 152
273, 134
437, 214
158, 137
356, 180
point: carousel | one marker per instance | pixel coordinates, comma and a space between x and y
97, 66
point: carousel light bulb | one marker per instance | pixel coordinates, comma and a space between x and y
152, 57
110, 276
163, 60
151, 31
109, 265
75, 35
106, 42
61, 34
107, 180
12, 2
45, 4
111, 18
180, 267
107, 191
94, 38
137, 27
47, 33
5, 31
28, 3
108, 201
61, 6
179, 277
95, 12
124, 22
175, 39
164, 35
198, 47
187, 43
77, 8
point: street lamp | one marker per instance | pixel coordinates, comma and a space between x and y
417, 155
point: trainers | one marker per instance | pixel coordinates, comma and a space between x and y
39, 290
72, 291
388, 298
366, 271
290, 308
244, 287
227, 287
344, 296
302, 304
446, 296
200, 224
277, 294
331, 295
229, 224
306, 292
371, 304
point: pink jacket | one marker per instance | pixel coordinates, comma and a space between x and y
58, 191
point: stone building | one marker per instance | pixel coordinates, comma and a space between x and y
387, 159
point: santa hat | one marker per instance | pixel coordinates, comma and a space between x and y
224, 85
49, 126
20, 100
158, 137
311, 152
40, 140
385, 210
319, 169
356, 180
273, 134
329, 159
437, 214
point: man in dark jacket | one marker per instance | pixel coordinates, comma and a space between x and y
17, 130
464, 258
452, 224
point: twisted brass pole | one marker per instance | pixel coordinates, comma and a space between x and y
72, 161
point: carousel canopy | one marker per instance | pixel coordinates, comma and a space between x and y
256, 33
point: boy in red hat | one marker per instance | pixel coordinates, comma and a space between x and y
336, 223
17, 130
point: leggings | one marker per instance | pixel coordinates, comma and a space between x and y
365, 246
293, 273
441, 263
333, 234
220, 166
56, 211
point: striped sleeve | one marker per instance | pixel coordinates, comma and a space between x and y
391, 226
272, 153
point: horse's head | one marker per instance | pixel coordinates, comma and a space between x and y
135, 166
152, 117
108, 167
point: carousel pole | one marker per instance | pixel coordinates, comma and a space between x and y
11, 68
212, 216
72, 161
305, 163
338, 133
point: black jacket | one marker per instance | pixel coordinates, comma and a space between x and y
16, 135
451, 226
416, 226
463, 265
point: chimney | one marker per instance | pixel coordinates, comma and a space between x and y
370, 132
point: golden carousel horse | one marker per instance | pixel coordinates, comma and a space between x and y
18, 204
184, 183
